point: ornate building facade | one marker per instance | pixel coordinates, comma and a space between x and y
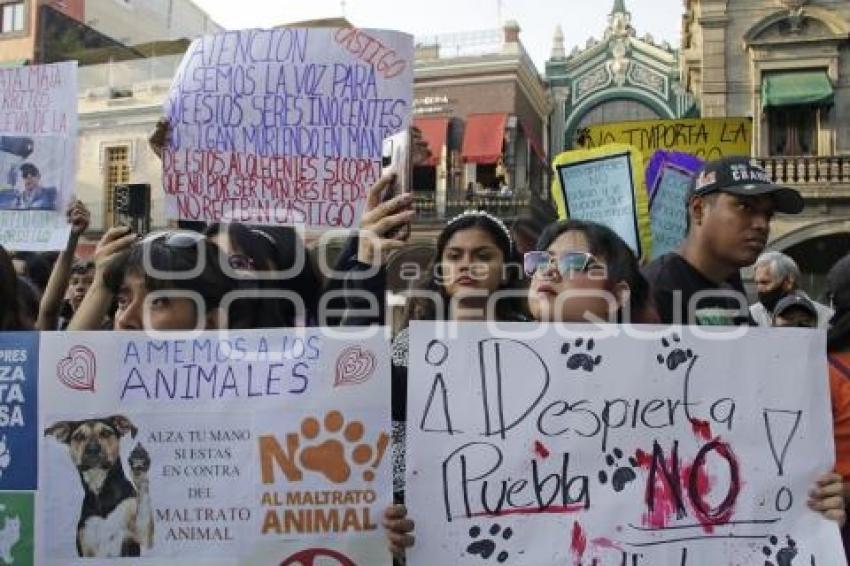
618, 77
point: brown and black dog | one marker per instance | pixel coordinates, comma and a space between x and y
117, 516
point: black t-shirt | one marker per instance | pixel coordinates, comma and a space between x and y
675, 284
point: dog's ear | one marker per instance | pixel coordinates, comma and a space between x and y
123, 425
61, 431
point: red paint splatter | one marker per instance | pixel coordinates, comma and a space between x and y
643, 459
661, 493
605, 543
541, 450
696, 485
703, 485
702, 429
579, 541
699, 483
552, 510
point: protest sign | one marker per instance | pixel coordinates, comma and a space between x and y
706, 138
565, 448
38, 141
668, 178
284, 126
251, 448
605, 185
18, 433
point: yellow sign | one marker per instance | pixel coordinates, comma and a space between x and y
706, 138
605, 185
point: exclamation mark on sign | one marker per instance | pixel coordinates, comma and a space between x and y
383, 441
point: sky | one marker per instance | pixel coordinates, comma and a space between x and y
579, 19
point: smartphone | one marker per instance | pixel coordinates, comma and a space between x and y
396, 158
131, 207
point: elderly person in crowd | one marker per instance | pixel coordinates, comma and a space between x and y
777, 276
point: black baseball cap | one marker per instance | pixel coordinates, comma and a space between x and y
737, 175
794, 301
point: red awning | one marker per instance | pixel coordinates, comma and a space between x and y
482, 138
434, 133
536, 146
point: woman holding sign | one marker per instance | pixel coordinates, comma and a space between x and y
583, 271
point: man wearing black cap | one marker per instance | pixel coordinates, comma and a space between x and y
730, 205
795, 311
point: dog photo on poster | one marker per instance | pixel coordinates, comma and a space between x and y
246, 448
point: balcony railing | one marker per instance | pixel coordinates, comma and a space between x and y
506, 208
808, 170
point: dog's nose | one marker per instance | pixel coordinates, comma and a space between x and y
92, 449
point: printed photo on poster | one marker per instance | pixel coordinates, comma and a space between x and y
38, 137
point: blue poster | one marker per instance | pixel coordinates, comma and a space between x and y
18, 410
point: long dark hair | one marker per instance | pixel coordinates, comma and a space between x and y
212, 284
275, 248
507, 309
838, 290
621, 263
10, 308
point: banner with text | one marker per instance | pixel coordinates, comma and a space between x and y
668, 178
706, 138
38, 154
551, 445
266, 448
605, 185
284, 126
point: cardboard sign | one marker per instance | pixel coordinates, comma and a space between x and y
668, 177
38, 141
605, 185
284, 126
706, 138
558, 444
249, 448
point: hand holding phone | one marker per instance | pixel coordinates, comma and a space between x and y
396, 160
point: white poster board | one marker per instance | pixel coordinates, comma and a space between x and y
249, 448
38, 153
565, 448
284, 126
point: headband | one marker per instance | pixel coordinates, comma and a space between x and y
484, 214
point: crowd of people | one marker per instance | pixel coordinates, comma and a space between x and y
233, 276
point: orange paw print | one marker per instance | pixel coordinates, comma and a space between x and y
332, 457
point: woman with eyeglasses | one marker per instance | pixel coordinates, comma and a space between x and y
581, 271
165, 281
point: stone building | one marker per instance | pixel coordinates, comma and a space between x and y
786, 64
616, 78
483, 108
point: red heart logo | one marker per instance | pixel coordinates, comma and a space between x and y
77, 369
354, 365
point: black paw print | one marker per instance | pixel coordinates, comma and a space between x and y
676, 356
583, 360
622, 475
784, 556
486, 547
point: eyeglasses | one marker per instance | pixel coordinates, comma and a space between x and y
568, 263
